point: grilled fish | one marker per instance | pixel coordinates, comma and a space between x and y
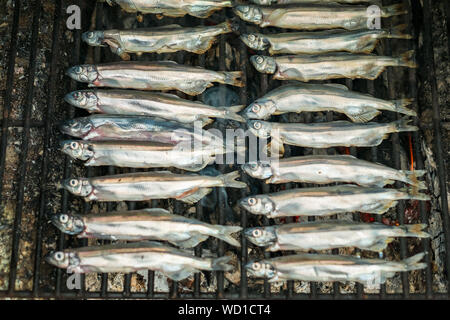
326, 134
304, 97
145, 224
173, 8
358, 41
145, 103
329, 66
156, 75
324, 169
314, 17
134, 154
321, 267
177, 264
324, 201
324, 235
142, 186
160, 40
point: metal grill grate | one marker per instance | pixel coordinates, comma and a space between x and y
48, 282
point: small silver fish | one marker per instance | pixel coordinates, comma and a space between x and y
314, 17
321, 267
304, 97
145, 224
324, 235
324, 201
142, 186
156, 75
324, 169
134, 154
329, 66
170, 38
327, 134
177, 264
154, 104
173, 8
358, 41
282, 2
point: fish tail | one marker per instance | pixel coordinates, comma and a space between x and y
231, 113
394, 10
413, 263
407, 60
411, 178
400, 107
220, 264
416, 230
225, 232
229, 180
403, 125
399, 32
232, 78
414, 194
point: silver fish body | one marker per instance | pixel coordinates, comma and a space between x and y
147, 103
358, 41
173, 8
324, 201
314, 16
325, 169
321, 267
157, 75
304, 97
165, 39
175, 263
327, 134
134, 154
282, 2
324, 235
329, 66
142, 186
145, 224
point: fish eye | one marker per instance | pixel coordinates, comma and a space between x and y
74, 145
253, 166
256, 266
59, 256
76, 95
90, 35
256, 108
257, 125
251, 201
73, 182
64, 218
252, 37
257, 233
259, 59
78, 69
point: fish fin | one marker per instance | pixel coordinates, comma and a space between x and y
232, 78
403, 125
195, 196
364, 117
379, 246
225, 234
228, 180
181, 274
413, 263
414, 194
193, 90
220, 264
194, 240
411, 178
401, 104
206, 121
407, 60
231, 113
277, 145
399, 32
382, 207
337, 86
416, 230
394, 10
275, 15
196, 166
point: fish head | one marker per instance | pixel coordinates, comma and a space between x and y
258, 169
260, 204
86, 99
59, 259
261, 129
260, 109
255, 41
77, 186
77, 149
249, 13
84, 73
93, 38
260, 269
264, 64
261, 236
67, 223
78, 127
